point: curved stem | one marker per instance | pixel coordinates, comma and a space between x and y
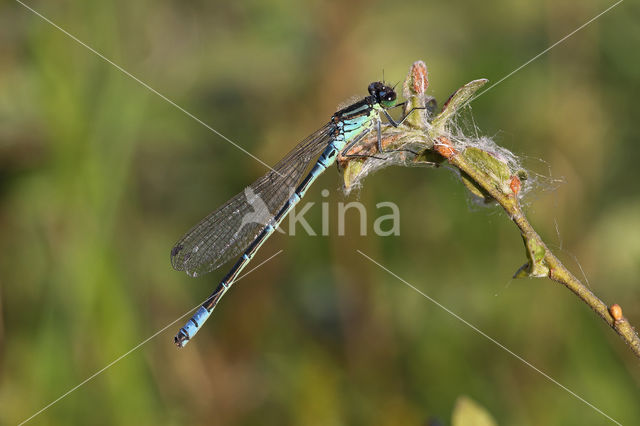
556, 269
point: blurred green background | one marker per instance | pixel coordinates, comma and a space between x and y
99, 177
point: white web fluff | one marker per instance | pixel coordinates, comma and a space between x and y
380, 161
463, 134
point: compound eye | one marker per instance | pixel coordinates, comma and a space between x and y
373, 89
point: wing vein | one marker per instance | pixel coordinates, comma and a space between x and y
227, 231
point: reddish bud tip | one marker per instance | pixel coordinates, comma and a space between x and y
444, 147
515, 184
419, 77
616, 311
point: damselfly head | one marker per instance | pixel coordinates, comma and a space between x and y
383, 94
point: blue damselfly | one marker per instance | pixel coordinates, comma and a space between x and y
244, 223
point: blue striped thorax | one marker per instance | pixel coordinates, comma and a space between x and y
354, 119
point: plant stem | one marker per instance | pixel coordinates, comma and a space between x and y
557, 271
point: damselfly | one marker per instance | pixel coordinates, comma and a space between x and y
248, 219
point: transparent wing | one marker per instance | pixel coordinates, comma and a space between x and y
226, 232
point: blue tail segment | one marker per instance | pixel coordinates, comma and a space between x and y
190, 329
